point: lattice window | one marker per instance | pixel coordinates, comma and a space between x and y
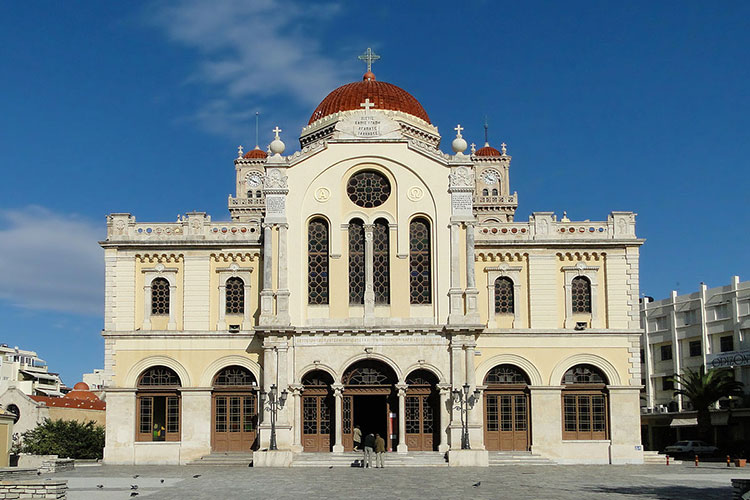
310, 415
505, 374
584, 416
411, 413
317, 378
159, 296
317, 262
420, 272
159, 376
368, 373
584, 374
235, 295
520, 416
346, 415
146, 417
356, 262
381, 281
504, 295
234, 414
580, 291
506, 413
368, 189
220, 414
173, 414
492, 412
235, 376
325, 416
428, 420
421, 377
249, 414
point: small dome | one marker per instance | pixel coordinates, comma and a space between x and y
487, 150
383, 95
81, 386
256, 153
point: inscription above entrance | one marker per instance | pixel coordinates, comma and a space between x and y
363, 125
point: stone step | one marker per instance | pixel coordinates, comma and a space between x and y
499, 458
243, 459
354, 459
656, 458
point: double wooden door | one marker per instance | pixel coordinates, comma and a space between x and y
234, 422
506, 421
421, 418
317, 422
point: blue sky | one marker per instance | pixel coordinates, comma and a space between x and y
139, 107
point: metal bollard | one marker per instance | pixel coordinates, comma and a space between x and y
728, 461
696, 460
667, 459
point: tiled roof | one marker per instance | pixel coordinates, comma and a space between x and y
64, 402
256, 153
487, 151
384, 95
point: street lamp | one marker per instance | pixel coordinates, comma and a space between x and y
273, 401
464, 402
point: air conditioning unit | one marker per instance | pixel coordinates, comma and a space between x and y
234, 328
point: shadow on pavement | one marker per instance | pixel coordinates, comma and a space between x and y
667, 492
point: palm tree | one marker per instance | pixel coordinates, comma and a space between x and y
704, 389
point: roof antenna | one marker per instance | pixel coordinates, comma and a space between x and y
256, 129
486, 126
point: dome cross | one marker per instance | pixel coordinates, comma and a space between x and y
276, 131
367, 105
369, 57
458, 130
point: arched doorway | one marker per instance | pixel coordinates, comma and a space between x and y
422, 411
317, 411
158, 405
506, 409
369, 402
234, 410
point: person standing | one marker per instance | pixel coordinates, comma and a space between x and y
369, 449
357, 437
379, 451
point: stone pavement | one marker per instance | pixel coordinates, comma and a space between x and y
558, 482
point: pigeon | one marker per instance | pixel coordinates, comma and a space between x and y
134, 494
136, 476
476, 485
331, 467
38, 473
100, 486
197, 475
133, 486
161, 480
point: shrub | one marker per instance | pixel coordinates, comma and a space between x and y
65, 438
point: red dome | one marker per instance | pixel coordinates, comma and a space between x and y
81, 386
384, 95
256, 153
487, 150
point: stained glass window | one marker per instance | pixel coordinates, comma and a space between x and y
381, 264
580, 291
356, 262
504, 295
420, 283
235, 296
159, 376
317, 262
159, 296
368, 189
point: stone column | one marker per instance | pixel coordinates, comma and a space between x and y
266, 294
282, 290
369, 271
172, 324
470, 371
246, 320
546, 421
147, 307
338, 446
196, 428
401, 448
296, 390
282, 370
476, 420
472, 294
455, 310
222, 324
269, 378
445, 394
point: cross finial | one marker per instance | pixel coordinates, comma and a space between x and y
367, 105
503, 147
458, 130
369, 56
239, 151
473, 148
276, 131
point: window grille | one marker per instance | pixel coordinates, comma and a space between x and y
368, 189
159, 376
317, 262
235, 296
584, 374
233, 376
505, 374
159, 296
504, 295
420, 282
356, 262
580, 289
381, 264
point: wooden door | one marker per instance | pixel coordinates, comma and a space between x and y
506, 421
347, 422
317, 424
235, 417
421, 421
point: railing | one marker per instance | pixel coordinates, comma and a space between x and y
495, 200
247, 202
620, 225
122, 227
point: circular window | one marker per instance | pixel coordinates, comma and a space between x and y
368, 189
14, 410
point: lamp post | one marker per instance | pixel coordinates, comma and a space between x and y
273, 401
464, 402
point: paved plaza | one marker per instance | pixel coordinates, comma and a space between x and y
681, 482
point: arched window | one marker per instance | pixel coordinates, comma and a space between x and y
506, 375
317, 262
159, 296
235, 296
580, 291
381, 279
235, 409
158, 405
368, 189
258, 193
235, 376
504, 295
356, 262
584, 403
369, 372
494, 192
485, 192
15, 411
420, 269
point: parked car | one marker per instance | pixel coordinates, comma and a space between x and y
691, 448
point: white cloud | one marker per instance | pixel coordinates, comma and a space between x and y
250, 51
50, 261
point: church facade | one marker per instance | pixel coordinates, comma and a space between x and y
370, 279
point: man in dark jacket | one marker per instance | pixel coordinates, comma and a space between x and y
379, 451
369, 449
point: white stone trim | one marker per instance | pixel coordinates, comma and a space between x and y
131, 379
317, 366
613, 378
430, 368
233, 271
377, 356
510, 359
493, 273
589, 272
211, 370
150, 274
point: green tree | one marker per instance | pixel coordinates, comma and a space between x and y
704, 389
65, 438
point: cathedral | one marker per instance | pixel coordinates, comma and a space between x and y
370, 280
